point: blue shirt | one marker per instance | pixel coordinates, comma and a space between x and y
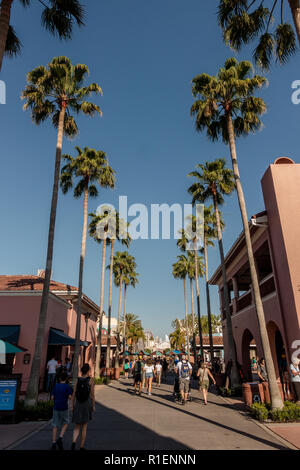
61, 393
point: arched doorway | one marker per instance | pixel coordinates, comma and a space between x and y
277, 349
248, 352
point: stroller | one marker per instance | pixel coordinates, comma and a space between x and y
176, 391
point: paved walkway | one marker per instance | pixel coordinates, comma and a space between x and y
123, 421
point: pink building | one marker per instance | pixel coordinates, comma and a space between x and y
20, 300
275, 235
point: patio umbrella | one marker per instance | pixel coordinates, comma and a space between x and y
175, 351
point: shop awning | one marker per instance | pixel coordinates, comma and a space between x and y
11, 348
59, 338
10, 333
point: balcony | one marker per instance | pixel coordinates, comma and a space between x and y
267, 287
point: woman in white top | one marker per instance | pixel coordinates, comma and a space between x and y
158, 370
149, 374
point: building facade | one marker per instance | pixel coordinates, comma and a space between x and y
275, 235
20, 301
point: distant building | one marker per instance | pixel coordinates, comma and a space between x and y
113, 325
149, 339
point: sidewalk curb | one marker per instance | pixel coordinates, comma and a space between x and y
27, 436
262, 426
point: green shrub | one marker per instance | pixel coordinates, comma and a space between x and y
231, 392
102, 381
289, 413
259, 411
43, 411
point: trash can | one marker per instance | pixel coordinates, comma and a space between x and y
253, 393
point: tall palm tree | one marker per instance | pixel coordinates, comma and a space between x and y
242, 21
101, 229
212, 182
189, 240
131, 279
121, 234
177, 337
123, 264
90, 166
209, 235
225, 106
55, 92
58, 17
180, 271
135, 332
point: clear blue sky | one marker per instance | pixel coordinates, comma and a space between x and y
144, 55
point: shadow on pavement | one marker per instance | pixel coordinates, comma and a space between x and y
108, 430
202, 418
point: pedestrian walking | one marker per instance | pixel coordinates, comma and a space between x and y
83, 406
184, 370
149, 374
295, 377
126, 368
158, 370
51, 369
61, 394
165, 367
204, 374
286, 379
137, 376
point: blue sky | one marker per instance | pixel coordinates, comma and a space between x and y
144, 56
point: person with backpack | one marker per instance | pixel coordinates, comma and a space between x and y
184, 370
204, 375
83, 406
60, 394
137, 375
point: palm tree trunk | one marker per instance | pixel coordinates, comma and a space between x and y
295, 9
186, 319
117, 363
198, 298
125, 299
193, 322
211, 344
4, 26
109, 304
235, 378
80, 282
276, 401
99, 338
33, 385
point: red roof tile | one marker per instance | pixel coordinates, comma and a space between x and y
29, 282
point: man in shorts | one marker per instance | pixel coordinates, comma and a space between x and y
184, 370
137, 375
61, 393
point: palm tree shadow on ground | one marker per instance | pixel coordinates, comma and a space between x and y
202, 418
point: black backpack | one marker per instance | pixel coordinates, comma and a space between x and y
137, 367
83, 390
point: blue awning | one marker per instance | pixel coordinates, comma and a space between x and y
59, 338
10, 333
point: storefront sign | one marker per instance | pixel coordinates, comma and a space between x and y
8, 390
